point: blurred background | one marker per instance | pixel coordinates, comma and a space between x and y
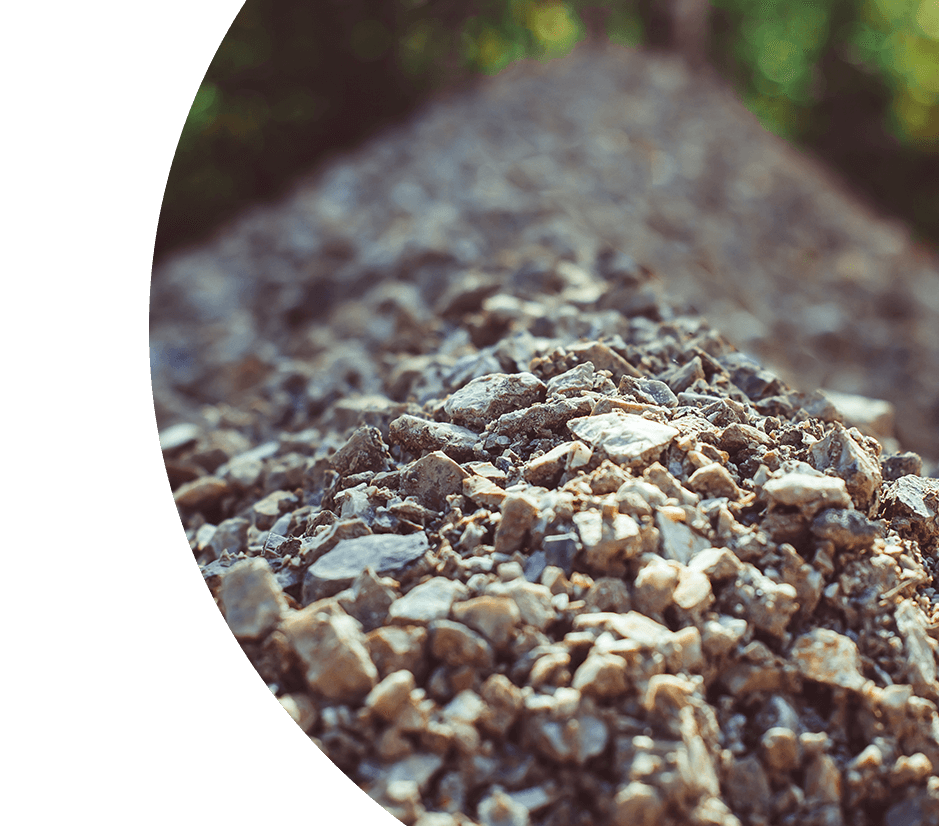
854, 82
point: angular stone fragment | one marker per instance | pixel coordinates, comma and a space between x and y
780, 748
748, 787
483, 491
498, 809
393, 648
828, 657
765, 604
921, 661
486, 398
369, 599
823, 781
267, 510
739, 436
607, 538
667, 694
697, 769
458, 645
901, 464
432, 477
912, 504
365, 450
677, 540
626, 439
574, 739
601, 675
383, 553
603, 358
546, 470
321, 542
428, 601
572, 382
807, 492
722, 634
495, 618
536, 419
693, 592
681, 378
333, 651
503, 702
846, 528
518, 514
858, 466
204, 492
687, 654
655, 584
716, 563
650, 391
420, 436
668, 484
646, 632
251, 599
231, 535
714, 480
535, 602
390, 695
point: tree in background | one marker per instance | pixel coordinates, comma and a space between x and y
294, 81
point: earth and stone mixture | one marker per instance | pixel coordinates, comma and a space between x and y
515, 537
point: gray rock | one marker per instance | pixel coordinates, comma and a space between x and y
179, 436
432, 478
365, 450
231, 535
846, 529
420, 436
901, 464
428, 601
857, 465
677, 540
383, 553
488, 397
912, 504
251, 599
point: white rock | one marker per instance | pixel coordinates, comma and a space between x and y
807, 492
428, 601
626, 438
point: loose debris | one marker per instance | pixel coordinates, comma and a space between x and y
515, 543
550, 597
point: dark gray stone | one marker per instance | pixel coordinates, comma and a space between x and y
901, 464
846, 528
384, 553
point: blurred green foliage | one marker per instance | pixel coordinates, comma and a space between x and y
294, 81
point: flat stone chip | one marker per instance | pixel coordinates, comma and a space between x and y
626, 438
829, 657
384, 553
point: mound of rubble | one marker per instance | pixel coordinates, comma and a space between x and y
518, 544
607, 572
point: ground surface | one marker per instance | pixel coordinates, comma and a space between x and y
515, 535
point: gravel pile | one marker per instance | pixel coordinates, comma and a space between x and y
516, 541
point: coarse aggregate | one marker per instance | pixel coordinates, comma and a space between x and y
518, 539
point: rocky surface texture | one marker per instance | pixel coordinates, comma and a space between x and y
516, 537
